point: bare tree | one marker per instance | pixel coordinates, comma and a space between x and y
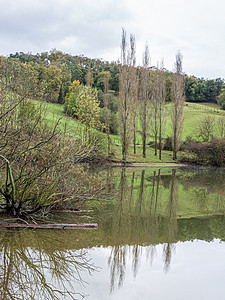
155, 107
135, 79
145, 97
162, 101
178, 99
206, 128
127, 92
107, 112
221, 126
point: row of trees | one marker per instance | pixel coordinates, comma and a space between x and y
201, 90
142, 100
142, 90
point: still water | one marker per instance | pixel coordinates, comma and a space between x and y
161, 236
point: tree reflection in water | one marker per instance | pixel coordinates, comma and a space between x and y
172, 209
43, 270
152, 207
139, 215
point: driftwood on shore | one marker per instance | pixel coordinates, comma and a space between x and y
73, 211
50, 226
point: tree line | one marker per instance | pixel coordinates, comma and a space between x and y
75, 67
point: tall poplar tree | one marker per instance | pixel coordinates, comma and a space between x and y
161, 105
155, 107
127, 93
107, 112
178, 99
144, 97
135, 81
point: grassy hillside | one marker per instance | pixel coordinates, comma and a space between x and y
193, 113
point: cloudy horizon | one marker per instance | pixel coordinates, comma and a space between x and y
93, 28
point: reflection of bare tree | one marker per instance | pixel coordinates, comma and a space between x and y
140, 218
173, 205
121, 221
154, 218
131, 220
167, 255
147, 215
172, 219
139, 206
150, 253
117, 263
39, 273
152, 192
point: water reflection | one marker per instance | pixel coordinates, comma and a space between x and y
43, 270
151, 209
136, 217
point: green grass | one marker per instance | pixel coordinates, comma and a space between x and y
193, 113
150, 157
54, 112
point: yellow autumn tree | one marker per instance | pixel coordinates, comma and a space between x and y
82, 103
71, 98
88, 109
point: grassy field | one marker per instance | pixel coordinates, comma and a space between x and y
193, 113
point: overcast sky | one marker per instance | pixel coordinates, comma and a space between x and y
93, 28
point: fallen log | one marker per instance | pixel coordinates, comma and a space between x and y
73, 211
50, 226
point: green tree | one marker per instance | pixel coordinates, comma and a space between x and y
221, 99
52, 82
191, 85
71, 98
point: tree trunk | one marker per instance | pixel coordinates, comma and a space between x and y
160, 132
134, 136
144, 144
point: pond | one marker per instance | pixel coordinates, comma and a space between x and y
161, 236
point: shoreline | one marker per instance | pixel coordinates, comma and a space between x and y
147, 164
106, 162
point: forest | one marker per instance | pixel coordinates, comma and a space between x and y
70, 68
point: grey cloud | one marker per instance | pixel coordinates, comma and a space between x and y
37, 25
93, 28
